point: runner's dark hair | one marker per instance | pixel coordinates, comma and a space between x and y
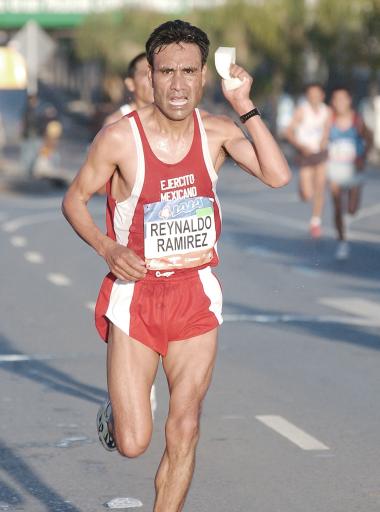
132, 65
313, 84
176, 31
341, 87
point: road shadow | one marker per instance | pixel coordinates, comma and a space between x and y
18, 470
42, 373
304, 254
362, 336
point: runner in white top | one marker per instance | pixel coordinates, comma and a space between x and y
308, 133
138, 85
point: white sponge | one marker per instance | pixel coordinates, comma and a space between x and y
224, 57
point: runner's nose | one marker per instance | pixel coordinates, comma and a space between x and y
177, 81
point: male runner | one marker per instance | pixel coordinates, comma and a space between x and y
349, 143
160, 165
308, 133
138, 85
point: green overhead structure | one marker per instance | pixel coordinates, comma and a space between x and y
52, 14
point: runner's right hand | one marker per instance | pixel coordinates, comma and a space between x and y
124, 263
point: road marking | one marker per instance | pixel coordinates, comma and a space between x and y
291, 432
361, 308
37, 218
19, 241
20, 358
280, 220
34, 257
123, 503
90, 306
17, 358
289, 318
28, 220
59, 279
73, 440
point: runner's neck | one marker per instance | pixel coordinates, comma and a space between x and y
177, 130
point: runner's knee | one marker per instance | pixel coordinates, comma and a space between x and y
182, 432
131, 445
134, 442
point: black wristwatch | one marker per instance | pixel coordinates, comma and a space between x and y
254, 112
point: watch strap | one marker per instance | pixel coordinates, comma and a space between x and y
254, 112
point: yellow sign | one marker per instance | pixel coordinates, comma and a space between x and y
12, 69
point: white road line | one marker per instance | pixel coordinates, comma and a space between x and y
280, 220
291, 432
34, 257
287, 318
19, 241
17, 358
37, 218
59, 279
28, 220
90, 306
364, 308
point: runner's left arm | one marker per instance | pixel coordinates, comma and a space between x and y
262, 157
367, 137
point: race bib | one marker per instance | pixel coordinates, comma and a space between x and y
179, 234
342, 151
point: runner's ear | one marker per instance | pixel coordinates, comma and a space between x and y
150, 74
130, 84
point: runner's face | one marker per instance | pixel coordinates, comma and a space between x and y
140, 84
341, 102
315, 95
178, 79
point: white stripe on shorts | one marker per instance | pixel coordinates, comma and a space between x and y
212, 289
118, 311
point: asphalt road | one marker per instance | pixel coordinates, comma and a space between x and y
291, 422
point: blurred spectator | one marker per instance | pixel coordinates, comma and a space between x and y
41, 133
285, 111
32, 133
2, 141
48, 160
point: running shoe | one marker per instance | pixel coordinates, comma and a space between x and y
102, 419
342, 251
315, 231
